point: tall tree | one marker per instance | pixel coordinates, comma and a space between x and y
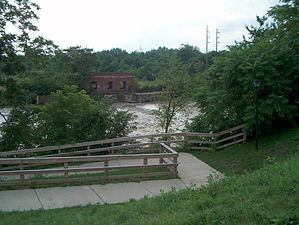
173, 99
19, 14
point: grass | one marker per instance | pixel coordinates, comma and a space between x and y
268, 194
243, 158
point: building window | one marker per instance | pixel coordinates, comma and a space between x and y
94, 85
110, 85
123, 85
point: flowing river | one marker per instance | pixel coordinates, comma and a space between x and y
146, 122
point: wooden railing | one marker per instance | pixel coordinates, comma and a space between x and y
230, 137
58, 161
137, 144
218, 140
166, 158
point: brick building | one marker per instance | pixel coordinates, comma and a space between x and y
111, 82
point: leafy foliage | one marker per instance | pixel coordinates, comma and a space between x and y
227, 96
174, 97
19, 14
19, 131
72, 117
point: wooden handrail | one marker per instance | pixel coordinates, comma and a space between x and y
230, 130
89, 150
84, 144
54, 160
35, 161
228, 138
83, 169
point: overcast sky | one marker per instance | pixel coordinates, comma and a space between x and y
149, 24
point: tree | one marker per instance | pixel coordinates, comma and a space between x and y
13, 46
72, 117
19, 14
75, 61
173, 98
227, 96
19, 130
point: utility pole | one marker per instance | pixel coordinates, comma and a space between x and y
140, 49
217, 38
207, 45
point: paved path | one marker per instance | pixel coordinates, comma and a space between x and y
191, 171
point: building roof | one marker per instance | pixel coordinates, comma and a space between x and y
110, 74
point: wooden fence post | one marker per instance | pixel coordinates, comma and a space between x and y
113, 150
145, 169
161, 151
152, 140
244, 136
175, 160
65, 167
214, 141
88, 148
22, 176
106, 165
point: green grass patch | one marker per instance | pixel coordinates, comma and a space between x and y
243, 158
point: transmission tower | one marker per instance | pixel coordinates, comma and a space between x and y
207, 45
217, 38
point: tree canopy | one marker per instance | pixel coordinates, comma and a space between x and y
271, 55
72, 117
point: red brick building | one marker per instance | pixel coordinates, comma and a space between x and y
111, 82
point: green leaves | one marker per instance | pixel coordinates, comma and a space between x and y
227, 97
20, 14
19, 131
72, 117
174, 98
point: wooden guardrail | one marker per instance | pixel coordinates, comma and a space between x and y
137, 144
166, 158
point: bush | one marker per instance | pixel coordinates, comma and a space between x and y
72, 117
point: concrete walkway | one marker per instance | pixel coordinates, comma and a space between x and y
191, 171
